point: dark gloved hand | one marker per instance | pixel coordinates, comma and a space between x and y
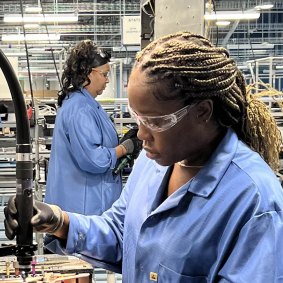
46, 218
132, 146
131, 143
132, 133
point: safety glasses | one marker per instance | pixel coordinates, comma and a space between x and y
160, 123
105, 75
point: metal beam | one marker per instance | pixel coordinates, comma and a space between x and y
231, 31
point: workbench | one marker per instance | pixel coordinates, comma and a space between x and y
48, 269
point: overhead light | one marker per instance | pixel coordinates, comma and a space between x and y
259, 51
224, 15
128, 48
266, 6
264, 45
31, 26
242, 67
40, 71
223, 23
279, 67
30, 37
38, 18
12, 54
30, 9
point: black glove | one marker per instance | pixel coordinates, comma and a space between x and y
46, 218
132, 146
132, 133
131, 143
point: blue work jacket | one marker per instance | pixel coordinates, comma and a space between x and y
80, 177
224, 225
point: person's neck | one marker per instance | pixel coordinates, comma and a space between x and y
92, 93
199, 161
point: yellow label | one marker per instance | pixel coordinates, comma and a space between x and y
153, 276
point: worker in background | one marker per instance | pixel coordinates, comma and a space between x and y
85, 146
202, 203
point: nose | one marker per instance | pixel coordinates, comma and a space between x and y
144, 133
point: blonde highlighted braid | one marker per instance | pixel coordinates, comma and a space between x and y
188, 67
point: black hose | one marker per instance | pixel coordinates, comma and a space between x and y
24, 249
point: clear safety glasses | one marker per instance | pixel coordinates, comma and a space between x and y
160, 123
105, 75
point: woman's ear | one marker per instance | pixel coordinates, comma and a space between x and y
204, 110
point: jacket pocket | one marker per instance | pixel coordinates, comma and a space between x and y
166, 275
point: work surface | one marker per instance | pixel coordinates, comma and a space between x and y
49, 269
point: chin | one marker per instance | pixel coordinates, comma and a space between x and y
157, 158
163, 162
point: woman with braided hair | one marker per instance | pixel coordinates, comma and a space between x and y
202, 203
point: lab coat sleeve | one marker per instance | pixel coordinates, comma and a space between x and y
96, 239
87, 132
258, 252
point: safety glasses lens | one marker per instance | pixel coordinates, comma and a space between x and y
159, 123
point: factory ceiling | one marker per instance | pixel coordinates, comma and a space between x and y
97, 20
101, 21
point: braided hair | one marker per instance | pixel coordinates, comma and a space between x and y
191, 68
81, 59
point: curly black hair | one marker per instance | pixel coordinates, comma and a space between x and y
81, 59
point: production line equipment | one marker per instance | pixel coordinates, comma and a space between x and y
24, 248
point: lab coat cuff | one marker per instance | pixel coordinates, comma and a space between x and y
74, 236
113, 158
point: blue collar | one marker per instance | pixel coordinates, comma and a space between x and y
208, 177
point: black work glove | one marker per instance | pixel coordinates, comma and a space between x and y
46, 218
132, 133
131, 143
133, 146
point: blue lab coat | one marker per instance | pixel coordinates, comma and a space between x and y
224, 225
82, 157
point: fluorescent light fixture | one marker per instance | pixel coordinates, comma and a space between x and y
30, 37
31, 26
259, 51
266, 6
30, 9
128, 48
13, 54
279, 67
242, 67
223, 23
264, 45
226, 16
39, 18
39, 71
